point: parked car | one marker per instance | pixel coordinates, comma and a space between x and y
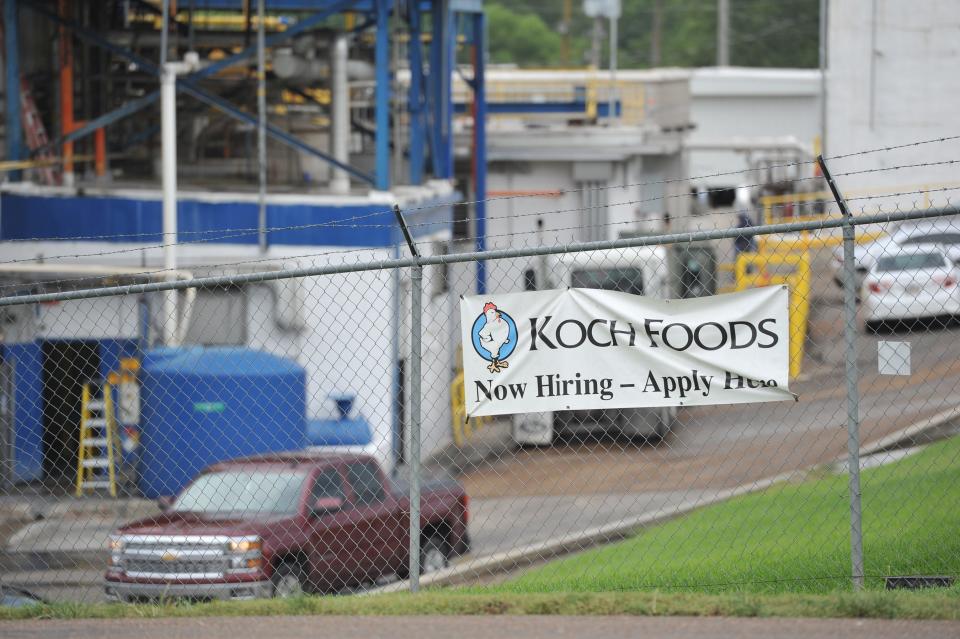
943, 232
914, 283
283, 524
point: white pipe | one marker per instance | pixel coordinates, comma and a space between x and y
340, 108
168, 137
261, 130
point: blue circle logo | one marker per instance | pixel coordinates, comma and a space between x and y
494, 336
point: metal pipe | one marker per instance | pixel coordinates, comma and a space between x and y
340, 112
164, 32
66, 92
824, 9
853, 379
261, 130
11, 59
723, 33
416, 310
473, 256
168, 137
614, 44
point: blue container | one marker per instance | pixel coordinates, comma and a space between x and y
343, 431
200, 406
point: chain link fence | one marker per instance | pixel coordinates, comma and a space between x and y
298, 424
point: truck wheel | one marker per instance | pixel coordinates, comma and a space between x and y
288, 580
433, 555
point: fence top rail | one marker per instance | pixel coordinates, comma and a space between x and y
497, 254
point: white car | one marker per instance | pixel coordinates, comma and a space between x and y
944, 232
910, 284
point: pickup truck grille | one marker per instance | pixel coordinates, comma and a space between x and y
175, 557
176, 568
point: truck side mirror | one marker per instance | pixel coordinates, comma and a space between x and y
326, 505
165, 503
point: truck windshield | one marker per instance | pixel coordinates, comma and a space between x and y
624, 280
243, 492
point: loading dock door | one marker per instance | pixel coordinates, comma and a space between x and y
67, 365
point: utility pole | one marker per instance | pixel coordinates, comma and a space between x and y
261, 129
656, 33
596, 41
565, 32
723, 33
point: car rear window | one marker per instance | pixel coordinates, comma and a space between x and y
910, 262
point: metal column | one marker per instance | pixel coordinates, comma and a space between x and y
14, 131
415, 100
853, 379
382, 96
480, 142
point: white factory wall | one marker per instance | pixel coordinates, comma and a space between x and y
735, 102
345, 344
893, 80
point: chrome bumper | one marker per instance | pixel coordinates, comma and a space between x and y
127, 591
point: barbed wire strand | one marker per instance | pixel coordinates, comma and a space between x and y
539, 194
338, 224
328, 254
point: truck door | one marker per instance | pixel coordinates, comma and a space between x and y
375, 520
330, 549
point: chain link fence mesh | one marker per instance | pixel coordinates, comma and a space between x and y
257, 441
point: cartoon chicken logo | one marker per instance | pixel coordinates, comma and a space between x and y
494, 337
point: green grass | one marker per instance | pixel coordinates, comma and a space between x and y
793, 537
883, 605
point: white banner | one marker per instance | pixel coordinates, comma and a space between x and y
580, 348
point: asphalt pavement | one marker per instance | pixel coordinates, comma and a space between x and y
480, 627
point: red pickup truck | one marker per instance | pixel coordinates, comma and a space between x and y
283, 524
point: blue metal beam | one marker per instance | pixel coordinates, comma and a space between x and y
478, 22
14, 132
415, 100
569, 106
382, 96
278, 134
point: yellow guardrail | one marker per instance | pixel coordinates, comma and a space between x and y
792, 270
462, 428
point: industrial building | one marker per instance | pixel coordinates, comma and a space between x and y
104, 83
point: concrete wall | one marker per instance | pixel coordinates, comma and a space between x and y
735, 102
892, 80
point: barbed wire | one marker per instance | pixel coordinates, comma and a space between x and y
389, 212
329, 254
338, 224
728, 212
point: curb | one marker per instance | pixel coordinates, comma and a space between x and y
931, 428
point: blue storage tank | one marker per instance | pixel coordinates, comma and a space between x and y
343, 431
200, 406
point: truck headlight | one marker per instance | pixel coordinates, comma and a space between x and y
245, 545
115, 544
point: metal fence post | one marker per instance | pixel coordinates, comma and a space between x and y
416, 303
853, 379
416, 309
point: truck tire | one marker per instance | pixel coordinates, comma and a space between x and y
433, 555
288, 580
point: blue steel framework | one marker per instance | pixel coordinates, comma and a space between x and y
430, 102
